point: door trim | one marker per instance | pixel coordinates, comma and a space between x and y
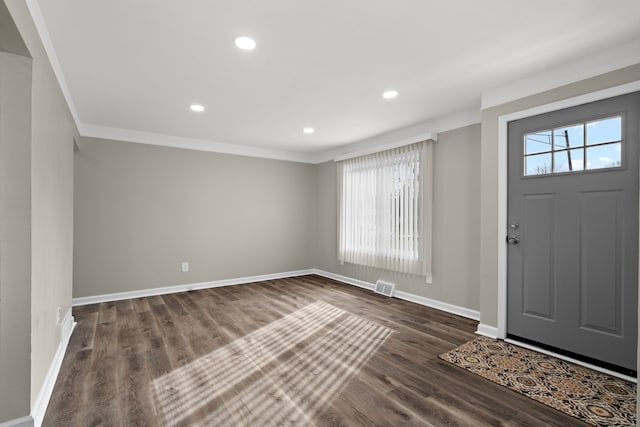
503, 122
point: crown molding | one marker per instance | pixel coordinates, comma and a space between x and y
419, 132
399, 137
43, 32
149, 138
603, 62
388, 146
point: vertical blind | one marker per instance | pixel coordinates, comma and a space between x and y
385, 209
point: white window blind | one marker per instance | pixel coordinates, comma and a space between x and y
385, 209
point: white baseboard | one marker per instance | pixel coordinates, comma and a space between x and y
186, 287
442, 306
427, 302
19, 422
487, 331
450, 308
345, 279
44, 395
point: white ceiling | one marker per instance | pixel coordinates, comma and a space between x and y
132, 68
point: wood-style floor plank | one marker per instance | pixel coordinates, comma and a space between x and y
296, 351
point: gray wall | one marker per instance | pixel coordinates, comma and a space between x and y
52, 137
141, 210
15, 235
489, 175
50, 224
456, 199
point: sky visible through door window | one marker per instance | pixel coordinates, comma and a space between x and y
573, 148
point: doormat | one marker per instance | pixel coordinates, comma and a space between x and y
593, 397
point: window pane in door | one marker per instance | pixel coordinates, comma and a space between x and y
537, 142
538, 164
569, 160
569, 136
604, 156
607, 130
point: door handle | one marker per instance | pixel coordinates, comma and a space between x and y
513, 240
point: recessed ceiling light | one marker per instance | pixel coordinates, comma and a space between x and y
196, 107
308, 130
390, 94
245, 43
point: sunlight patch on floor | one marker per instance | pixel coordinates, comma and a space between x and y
279, 374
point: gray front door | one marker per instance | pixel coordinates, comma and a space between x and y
573, 230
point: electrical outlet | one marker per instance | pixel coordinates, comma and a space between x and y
58, 310
185, 267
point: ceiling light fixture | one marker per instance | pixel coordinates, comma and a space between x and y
308, 130
197, 108
390, 94
245, 43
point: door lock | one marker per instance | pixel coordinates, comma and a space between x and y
513, 240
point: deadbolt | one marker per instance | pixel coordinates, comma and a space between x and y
513, 240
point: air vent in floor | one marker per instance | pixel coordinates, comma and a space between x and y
385, 288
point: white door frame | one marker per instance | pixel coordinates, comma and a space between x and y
503, 122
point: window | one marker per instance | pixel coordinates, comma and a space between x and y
384, 220
578, 147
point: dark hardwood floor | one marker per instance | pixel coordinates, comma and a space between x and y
299, 351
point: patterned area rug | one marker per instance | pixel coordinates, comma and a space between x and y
593, 397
